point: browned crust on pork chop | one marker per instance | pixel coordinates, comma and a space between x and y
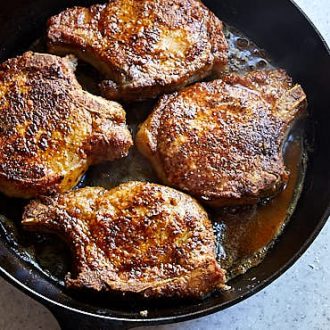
139, 238
144, 48
50, 129
221, 141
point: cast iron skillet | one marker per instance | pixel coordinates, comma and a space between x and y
293, 43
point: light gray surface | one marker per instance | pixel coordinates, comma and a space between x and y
300, 299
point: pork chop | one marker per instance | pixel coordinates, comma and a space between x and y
50, 129
144, 48
136, 238
221, 141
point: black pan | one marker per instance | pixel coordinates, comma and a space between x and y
294, 44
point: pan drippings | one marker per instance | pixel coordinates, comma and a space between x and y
244, 234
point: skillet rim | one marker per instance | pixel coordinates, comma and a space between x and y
56, 307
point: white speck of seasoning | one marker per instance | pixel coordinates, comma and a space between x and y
144, 313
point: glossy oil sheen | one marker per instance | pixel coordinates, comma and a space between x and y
245, 234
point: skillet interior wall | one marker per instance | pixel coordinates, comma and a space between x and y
293, 45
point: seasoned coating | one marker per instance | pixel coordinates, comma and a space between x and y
221, 141
143, 47
138, 238
50, 129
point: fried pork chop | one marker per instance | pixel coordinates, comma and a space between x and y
143, 47
221, 141
138, 237
50, 129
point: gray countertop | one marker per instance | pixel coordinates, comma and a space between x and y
299, 299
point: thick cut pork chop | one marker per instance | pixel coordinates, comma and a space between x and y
144, 47
50, 129
139, 238
221, 141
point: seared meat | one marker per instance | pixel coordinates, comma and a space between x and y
139, 237
50, 129
144, 48
221, 141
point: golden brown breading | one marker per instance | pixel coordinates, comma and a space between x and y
50, 129
144, 47
221, 141
138, 237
